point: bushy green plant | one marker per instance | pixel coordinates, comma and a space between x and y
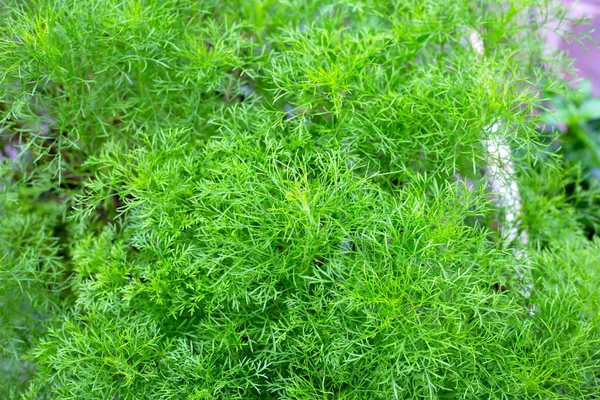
573, 132
273, 199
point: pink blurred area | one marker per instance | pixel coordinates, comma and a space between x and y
586, 55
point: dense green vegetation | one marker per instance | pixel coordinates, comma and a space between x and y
285, 199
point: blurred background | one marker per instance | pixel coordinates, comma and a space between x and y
573, 116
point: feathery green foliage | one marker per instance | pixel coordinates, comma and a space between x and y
275, 199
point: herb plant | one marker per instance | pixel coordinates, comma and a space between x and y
273, 199
572, 131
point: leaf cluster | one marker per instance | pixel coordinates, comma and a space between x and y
276, 199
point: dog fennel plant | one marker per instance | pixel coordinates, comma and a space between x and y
283, 199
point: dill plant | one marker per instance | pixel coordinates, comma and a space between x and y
273, 199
